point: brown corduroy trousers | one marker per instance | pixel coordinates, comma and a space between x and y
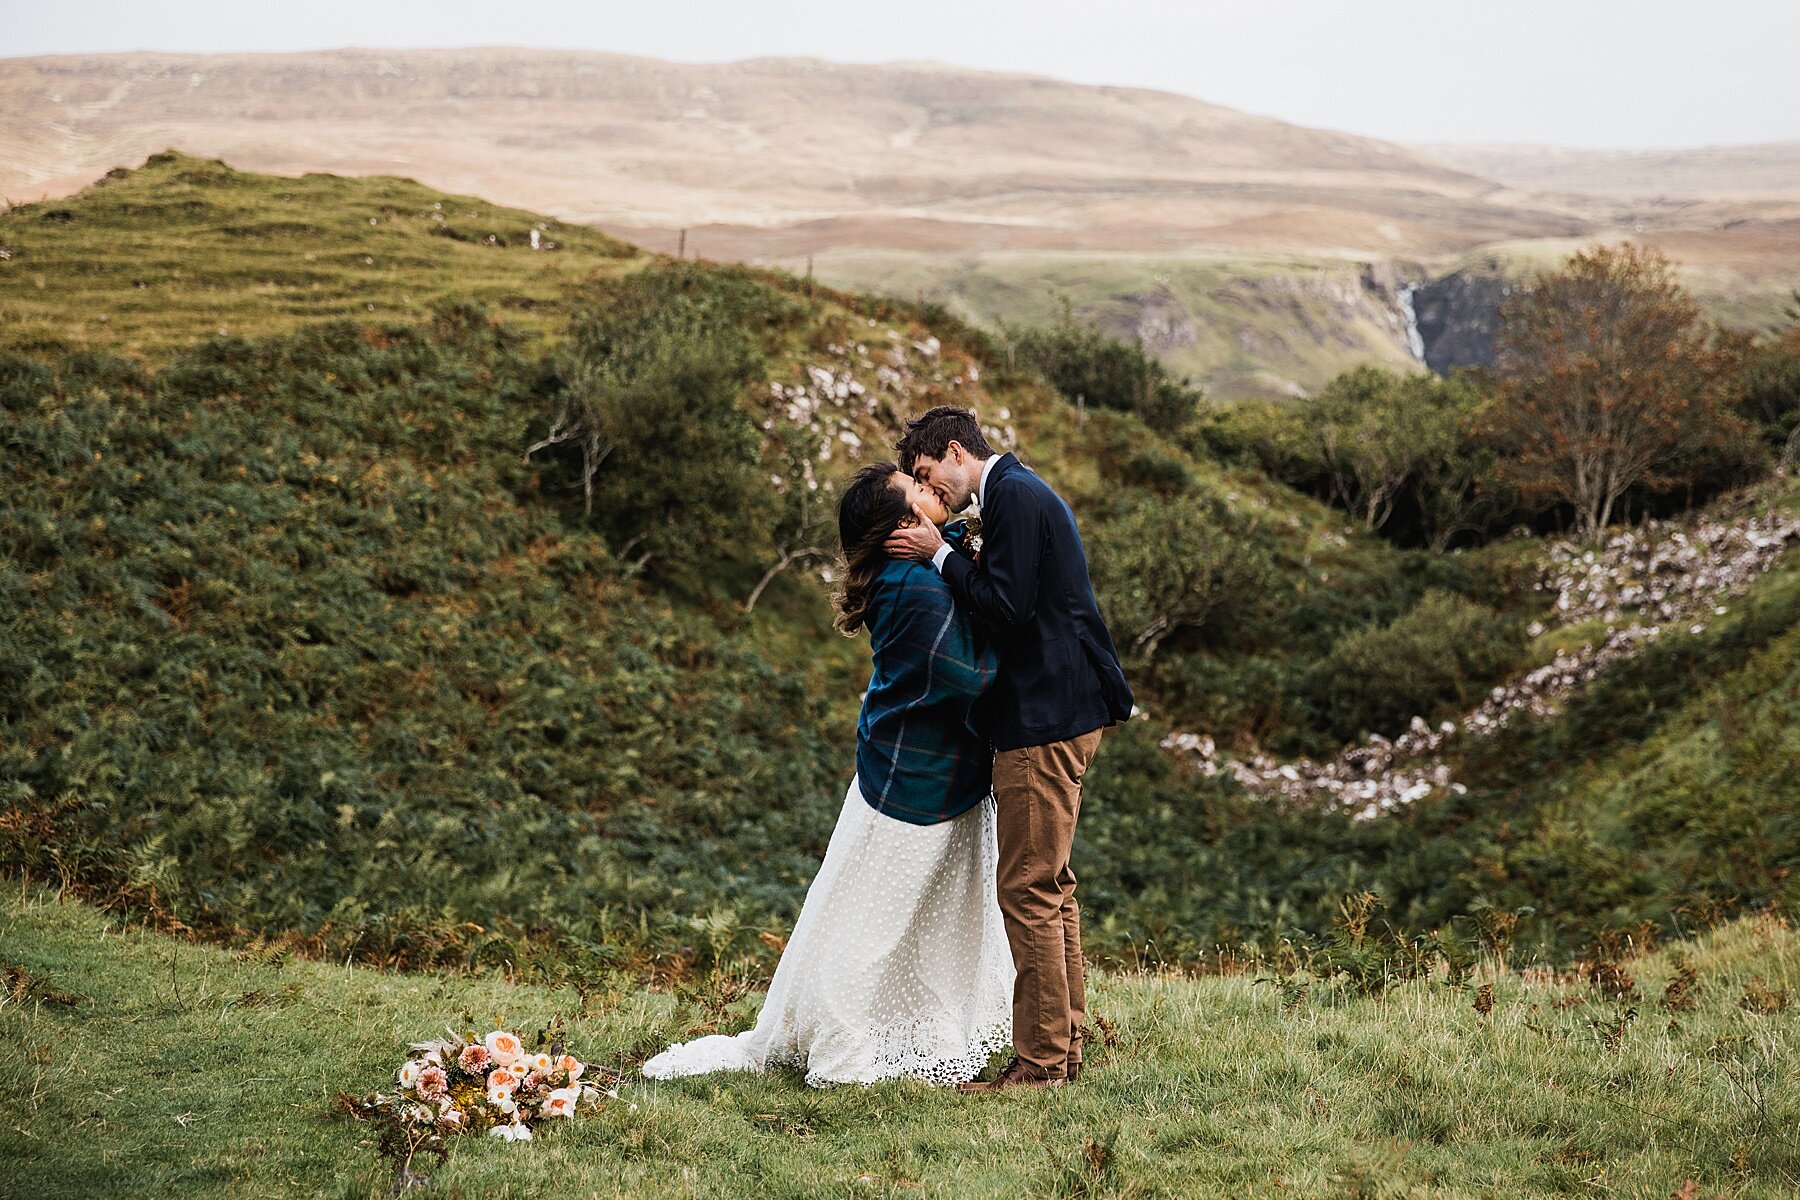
1037, 792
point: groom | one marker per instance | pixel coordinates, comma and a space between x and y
1059, 686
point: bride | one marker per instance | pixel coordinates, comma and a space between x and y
899, 964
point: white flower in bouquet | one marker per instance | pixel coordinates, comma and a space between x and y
571, 1065
561, 1102
511, 1133
501, 1100
409, 1073
540, 1062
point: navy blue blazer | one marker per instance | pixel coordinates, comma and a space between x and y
1059, 673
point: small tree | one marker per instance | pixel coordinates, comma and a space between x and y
803, 528
1454, 476
652, 408
1169, 565
1377, 431
1609, 379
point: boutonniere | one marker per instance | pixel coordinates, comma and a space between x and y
967, 531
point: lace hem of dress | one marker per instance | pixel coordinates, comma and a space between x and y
911, 1051
916, 1051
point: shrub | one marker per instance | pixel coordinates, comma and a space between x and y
1610, 379
1444, 651
653, 380
1168, 565
1086, 365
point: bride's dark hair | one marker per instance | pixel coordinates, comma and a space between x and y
871, 508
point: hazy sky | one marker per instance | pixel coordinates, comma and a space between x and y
1565, 72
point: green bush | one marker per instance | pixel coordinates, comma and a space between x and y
1166, 566
1086, 365
651, 420
1403, 453
1442, 653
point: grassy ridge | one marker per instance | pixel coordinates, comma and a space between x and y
1240, 324
143, 1065
147, 260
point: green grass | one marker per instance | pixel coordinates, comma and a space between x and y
138, 1065
150, 259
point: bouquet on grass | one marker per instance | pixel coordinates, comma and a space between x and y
470, 1084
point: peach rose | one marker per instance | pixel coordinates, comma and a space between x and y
504, 1046
502, 1077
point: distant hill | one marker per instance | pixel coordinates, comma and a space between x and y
1263, 257
979, 158
1767, 170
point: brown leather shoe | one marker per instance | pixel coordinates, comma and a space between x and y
1015, 1074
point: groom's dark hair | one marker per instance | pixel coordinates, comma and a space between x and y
930, 435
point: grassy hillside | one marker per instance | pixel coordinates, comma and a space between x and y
140, 1064
304, 645
1664, 795
981, 188
145, 261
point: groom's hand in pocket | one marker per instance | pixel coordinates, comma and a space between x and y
919, 540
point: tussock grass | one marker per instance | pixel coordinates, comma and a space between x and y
159, 1068
181, 247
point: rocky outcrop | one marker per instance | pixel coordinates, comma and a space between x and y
1459, 316
1163, 322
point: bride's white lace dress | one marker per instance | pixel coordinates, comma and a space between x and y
898, 966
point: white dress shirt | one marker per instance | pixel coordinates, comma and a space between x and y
944, 551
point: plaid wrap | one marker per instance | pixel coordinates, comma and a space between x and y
919, 757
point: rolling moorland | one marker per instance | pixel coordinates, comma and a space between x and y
313, 661
1259, 257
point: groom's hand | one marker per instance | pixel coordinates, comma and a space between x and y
919, 541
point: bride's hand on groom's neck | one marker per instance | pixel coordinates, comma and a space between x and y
919, 540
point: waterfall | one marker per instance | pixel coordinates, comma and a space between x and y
1415, 341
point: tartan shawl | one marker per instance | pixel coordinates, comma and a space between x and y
919, 757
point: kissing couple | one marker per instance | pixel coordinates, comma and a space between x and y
942, 925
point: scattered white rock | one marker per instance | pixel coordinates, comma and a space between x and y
1640, 582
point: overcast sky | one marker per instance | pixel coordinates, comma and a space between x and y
1563, 72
